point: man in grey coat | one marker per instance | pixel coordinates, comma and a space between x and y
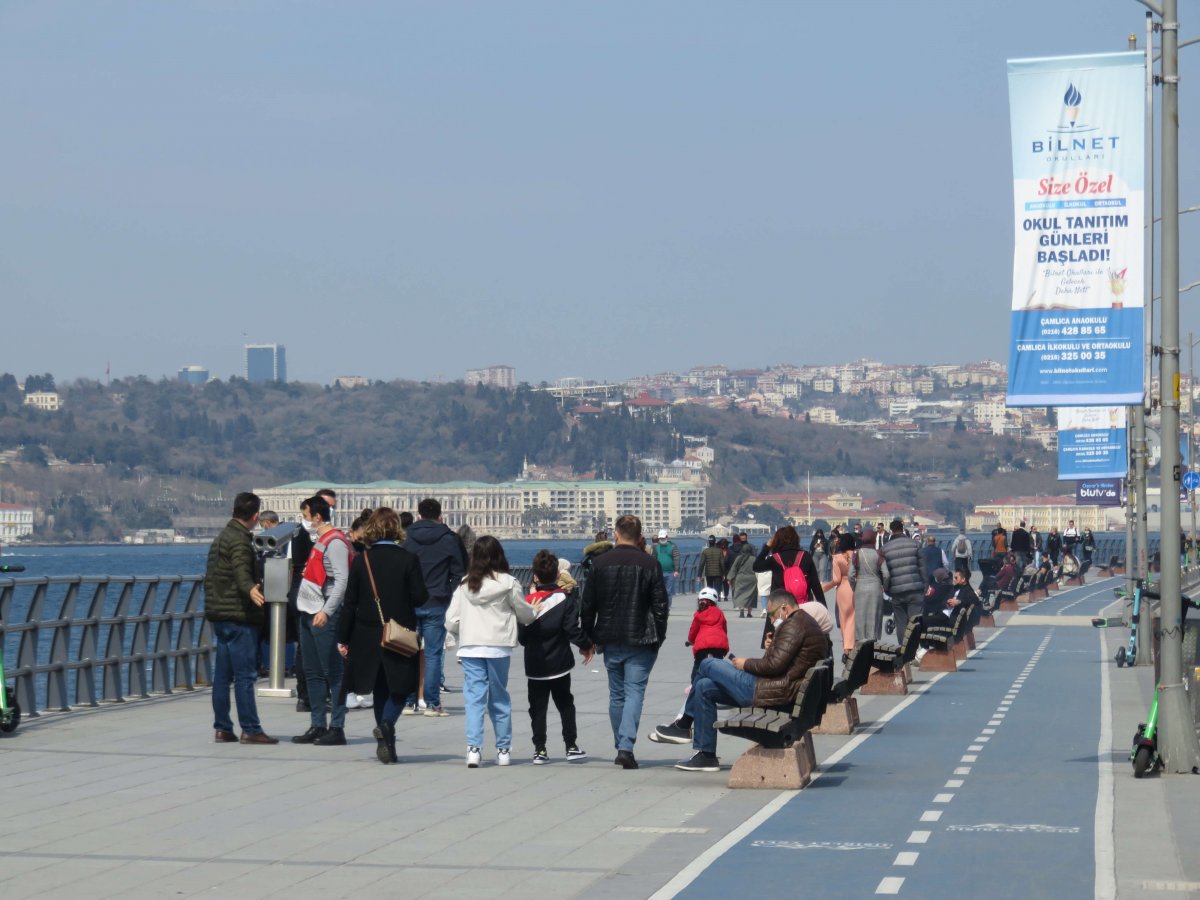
908, 577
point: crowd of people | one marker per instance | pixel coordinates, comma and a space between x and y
373, 609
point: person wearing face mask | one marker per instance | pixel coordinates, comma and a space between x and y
319, 602
770, 682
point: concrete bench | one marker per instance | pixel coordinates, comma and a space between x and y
941, 642
890, 661
841, 713
783, 757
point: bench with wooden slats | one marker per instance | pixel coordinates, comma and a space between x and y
893, 657
779, 729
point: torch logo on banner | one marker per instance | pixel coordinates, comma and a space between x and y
1071, 100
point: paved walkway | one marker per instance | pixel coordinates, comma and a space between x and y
984, 781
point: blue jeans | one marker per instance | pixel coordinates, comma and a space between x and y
323, 670
235, 665
431, 626
628, 672
485, 687
717, 681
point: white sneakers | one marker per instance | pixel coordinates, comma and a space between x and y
352, 701
359, 701
475, 757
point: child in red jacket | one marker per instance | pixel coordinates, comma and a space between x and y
709, 635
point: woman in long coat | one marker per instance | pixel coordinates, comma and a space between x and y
370, 669
845, 590
870, 583
743, 583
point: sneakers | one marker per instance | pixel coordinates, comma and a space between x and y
436, 712
352, 701
503, 757
574, 754
700, 762
409, 710
421, 705
625, 759
671, 734
364, 701
540, 756
474, 757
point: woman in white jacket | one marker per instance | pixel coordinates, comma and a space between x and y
483, 617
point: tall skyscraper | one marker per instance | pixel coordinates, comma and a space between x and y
265, 362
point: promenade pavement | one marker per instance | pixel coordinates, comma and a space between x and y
1009, 778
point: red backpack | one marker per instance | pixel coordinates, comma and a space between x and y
794, 581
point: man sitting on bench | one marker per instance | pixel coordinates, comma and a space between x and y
770, 682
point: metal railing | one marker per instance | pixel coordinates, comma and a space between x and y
73, 641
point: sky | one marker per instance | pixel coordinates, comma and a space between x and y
411, 189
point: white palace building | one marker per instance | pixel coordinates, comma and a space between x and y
498, 508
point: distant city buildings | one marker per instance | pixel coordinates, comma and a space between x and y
493, 376
266, 362
346, 382
510, 509
193, 375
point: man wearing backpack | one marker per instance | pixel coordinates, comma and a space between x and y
667, 555
962, 553
908, 576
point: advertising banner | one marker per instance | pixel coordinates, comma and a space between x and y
1078, 185
1092, 442
1098, 492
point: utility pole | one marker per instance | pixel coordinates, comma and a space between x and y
1179, 747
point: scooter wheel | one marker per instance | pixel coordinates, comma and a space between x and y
1141, 761
1120, 657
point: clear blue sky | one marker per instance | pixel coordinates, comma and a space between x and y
404, 189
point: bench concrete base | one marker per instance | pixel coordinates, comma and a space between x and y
839, 718
908, 675
777, 770
1010, 605
1050, 586
884, 683
987, 620
939, 661
960, 651
1075, 581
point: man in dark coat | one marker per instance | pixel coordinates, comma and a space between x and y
233, 603
907, 576
624, 611
443, 563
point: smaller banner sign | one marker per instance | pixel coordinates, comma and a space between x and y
1092, 442
1098, 492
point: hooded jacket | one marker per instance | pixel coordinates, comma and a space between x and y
709, 630
906, 564
489, 617
548, 638
440, 553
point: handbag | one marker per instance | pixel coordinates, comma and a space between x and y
394, 637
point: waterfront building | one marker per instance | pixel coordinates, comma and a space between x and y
16, 522
499, 508
347, 382
47, 401
193, 375
494, 376
266, 362
1045, 513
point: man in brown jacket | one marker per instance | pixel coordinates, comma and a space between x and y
769, 682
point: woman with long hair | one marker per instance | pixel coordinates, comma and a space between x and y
385, 582
842, 582
483, 617
780, 556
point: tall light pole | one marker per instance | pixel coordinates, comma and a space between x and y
1179, 747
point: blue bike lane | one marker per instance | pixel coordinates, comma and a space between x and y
986, 784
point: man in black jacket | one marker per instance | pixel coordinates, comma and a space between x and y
440, 552
1021, 544
625, 613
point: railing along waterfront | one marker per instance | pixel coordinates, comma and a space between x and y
77, 641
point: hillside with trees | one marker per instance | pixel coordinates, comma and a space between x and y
135, 453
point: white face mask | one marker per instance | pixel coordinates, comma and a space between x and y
777, 621
309, 526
